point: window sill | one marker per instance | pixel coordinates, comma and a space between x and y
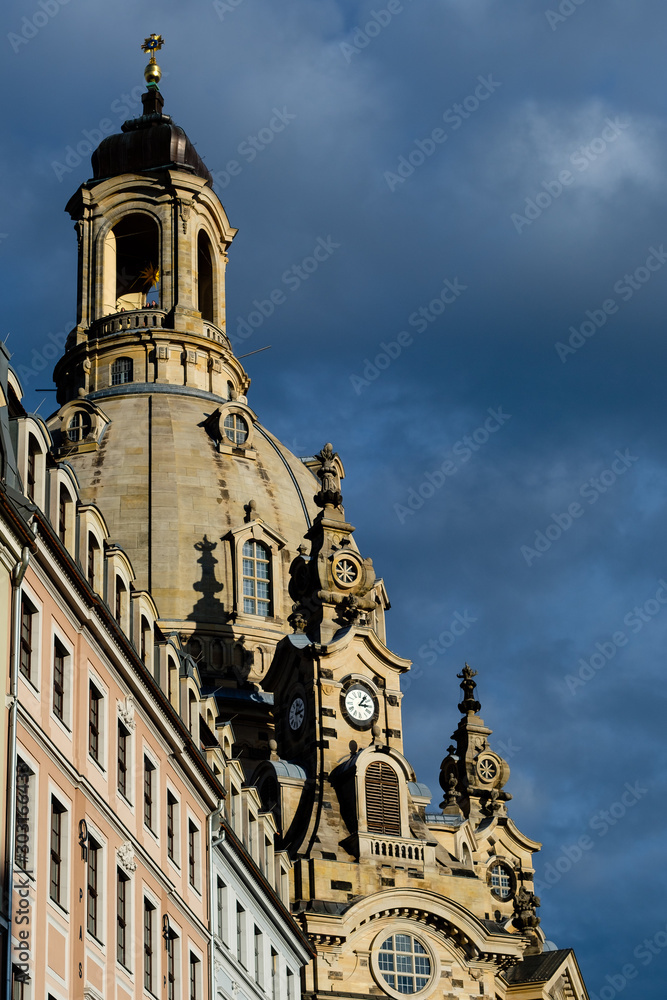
31, 684
100, 767
62, 725
59, 906
94, 938
153, 834
124, 799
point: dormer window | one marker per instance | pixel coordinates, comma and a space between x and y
256, 579
121, 371
79, 427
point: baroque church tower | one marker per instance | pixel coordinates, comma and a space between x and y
253, 567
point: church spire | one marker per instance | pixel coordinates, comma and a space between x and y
472, 775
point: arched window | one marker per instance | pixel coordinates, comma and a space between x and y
79, 426
204, 276
383, 813
256, 579
121, 371
132, 262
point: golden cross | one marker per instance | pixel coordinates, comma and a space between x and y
152, 44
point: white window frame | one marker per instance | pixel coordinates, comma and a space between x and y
31, 815
197, 886
34, 683
148, 896
101, 761
55, 792
129, 914
130, 789
100, 937
155, 790
176, 860
58, 635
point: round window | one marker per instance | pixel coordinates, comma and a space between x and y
236, 428
404, 964
501, 881
346, 572
487, 768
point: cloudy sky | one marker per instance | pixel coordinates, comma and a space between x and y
483, 345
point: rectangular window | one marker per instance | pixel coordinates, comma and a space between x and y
94, 742
172, 814
234, 808
94, 861
172, 949
19, 983
149, 768
28, 611
252, 836
23, 830
240, 934
59, 655
123, 735
62, 515
149, 911
31, 477
274, 974
194, 977
120, 596
290, 985
122, 918
258, 955
220, 905
93, 549
193, 834
56, 867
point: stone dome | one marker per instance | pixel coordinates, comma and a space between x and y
182, 504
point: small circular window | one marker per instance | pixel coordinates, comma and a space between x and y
236, 428
346, 572
487, 768
404, 964
501, 881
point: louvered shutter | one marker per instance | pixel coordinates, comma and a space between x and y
383, 813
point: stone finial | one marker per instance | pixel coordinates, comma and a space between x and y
329, 493
469, 705
250, 509
273, 750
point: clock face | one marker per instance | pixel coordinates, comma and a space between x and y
359, 704
297, 712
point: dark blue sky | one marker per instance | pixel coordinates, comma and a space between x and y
541, 204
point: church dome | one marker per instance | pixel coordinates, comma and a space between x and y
150, 142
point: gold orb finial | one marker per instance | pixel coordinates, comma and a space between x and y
152, 73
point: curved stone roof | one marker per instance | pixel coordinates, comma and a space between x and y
147, 143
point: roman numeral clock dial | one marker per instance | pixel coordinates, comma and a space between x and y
296, 715
359, 705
